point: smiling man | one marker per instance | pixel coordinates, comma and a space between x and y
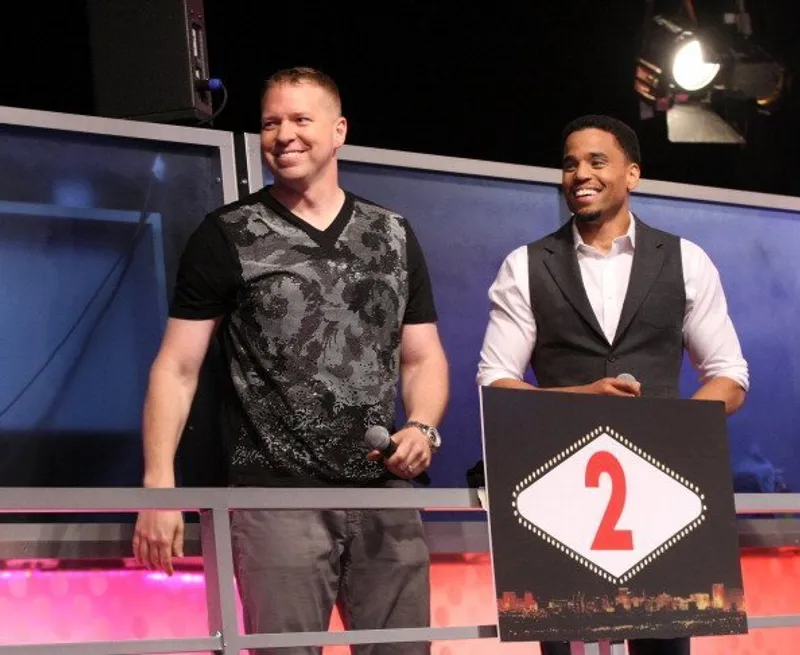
606, 294
322, 303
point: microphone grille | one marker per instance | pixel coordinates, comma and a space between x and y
626, 377
377, 437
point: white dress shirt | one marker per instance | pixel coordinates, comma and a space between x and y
708, 332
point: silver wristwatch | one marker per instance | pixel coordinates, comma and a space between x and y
429, 431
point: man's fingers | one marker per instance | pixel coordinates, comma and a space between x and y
158, 537
157, 547
144, 553
177, 543
136, 545
412, 456
623, 387
418, 465
400, 456
165, 559
419, 460
403, 467
400, 471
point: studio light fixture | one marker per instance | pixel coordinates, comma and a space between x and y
707, 79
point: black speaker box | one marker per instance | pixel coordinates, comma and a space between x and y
149, 60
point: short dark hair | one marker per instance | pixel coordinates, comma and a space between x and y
301, 74
625, 136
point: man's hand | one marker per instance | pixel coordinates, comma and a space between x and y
412, 456
157, 538
612, 387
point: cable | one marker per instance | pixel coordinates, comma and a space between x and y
142, 221
128, 260
213, 84
688, 6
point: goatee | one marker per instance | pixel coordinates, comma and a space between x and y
587, 217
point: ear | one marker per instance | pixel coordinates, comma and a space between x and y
340, 131
633, 176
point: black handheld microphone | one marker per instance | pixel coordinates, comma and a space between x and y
377, 438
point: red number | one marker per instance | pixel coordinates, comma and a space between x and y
608, 537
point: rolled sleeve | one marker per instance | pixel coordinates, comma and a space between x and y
511, 332
709, 334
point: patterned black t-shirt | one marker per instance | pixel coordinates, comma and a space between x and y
311, 332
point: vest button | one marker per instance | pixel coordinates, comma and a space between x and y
612, 359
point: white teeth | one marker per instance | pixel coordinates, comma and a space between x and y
580, 193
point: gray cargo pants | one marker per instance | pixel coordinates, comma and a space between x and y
292, 566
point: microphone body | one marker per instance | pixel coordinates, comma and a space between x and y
377, 438
627, 377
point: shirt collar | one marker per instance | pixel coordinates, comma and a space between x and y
629, 238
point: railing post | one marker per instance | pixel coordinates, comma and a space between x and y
215, 538
597, 648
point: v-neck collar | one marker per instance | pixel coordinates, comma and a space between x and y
326, 238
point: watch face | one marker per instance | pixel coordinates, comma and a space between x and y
431, 432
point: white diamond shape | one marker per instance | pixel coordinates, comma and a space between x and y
657, 509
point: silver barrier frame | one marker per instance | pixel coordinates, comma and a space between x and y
519, 172
133, 130
214, 506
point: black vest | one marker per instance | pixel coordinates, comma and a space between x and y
571, 348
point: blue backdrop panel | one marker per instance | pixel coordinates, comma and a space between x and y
91, 230
755, 252
96, 275
467, 225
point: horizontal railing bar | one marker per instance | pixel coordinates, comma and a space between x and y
86, 500
122, 647
103, 499
283, 640
111, 541
777, 621
352, 637
767, 503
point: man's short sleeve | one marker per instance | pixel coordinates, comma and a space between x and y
208, 275
421, 307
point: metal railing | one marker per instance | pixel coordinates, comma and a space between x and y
214, 506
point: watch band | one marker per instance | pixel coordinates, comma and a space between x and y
429, 431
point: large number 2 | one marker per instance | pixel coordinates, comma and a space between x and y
608, 537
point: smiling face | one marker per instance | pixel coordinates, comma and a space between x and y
301, 130
597, 175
